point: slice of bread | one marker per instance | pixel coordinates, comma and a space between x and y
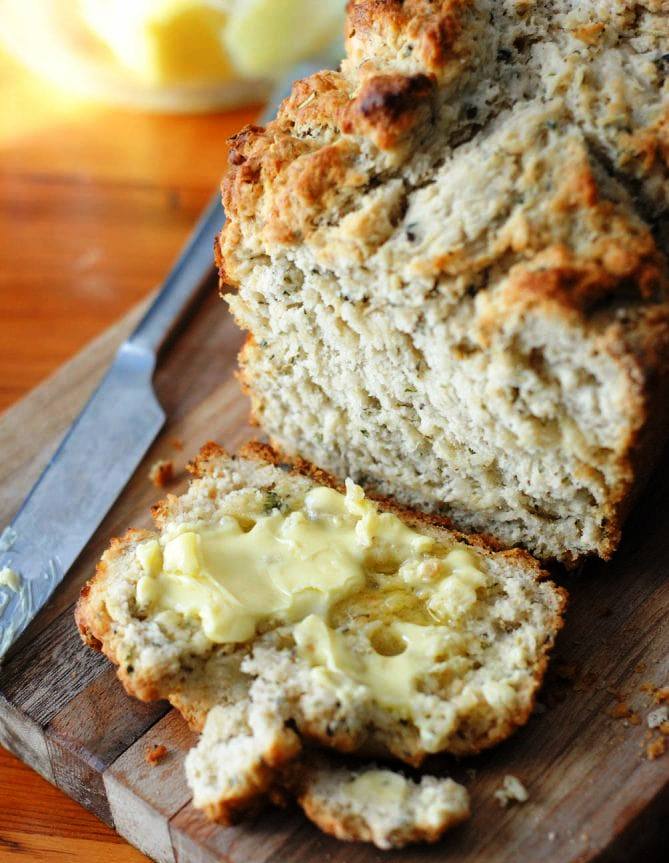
258, 700
448, 256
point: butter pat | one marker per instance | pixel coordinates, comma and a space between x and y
167, 42
150, 557
383, 787
399, 596
391, 679
448, 584
285, 567
163, 41
264, 37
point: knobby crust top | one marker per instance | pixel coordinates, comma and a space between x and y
425, 81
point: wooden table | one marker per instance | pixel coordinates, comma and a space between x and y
94, 204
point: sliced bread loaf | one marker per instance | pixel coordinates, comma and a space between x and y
382, 632
448, 259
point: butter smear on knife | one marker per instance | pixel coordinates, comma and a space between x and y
9, 578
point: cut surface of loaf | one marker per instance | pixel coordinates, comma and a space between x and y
450, 256
273, 606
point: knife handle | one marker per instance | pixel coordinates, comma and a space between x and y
183, 285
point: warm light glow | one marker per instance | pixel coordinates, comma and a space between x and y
167, 55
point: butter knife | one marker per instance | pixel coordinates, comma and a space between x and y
109, 438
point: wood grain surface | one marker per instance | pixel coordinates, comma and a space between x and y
94, 205
594, 793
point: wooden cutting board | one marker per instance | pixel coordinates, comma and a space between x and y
594, 793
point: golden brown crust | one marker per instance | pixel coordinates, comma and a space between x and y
388, 107
648, 148
303, 178
287, 182
433, 30
95, 624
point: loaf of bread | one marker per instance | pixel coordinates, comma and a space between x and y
450, 257
435, 642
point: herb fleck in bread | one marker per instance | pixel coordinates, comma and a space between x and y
260, 701
449, 259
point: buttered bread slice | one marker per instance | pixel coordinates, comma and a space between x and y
275, 607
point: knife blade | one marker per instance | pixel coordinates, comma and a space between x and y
109, 438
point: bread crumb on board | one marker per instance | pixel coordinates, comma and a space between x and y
659, 694
512, 791
620, 711
656, 718
177, 443
656, 748
155, 754
162, 472
654, 745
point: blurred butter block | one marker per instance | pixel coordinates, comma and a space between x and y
168, 41
265, 37
164, 41
170, 55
